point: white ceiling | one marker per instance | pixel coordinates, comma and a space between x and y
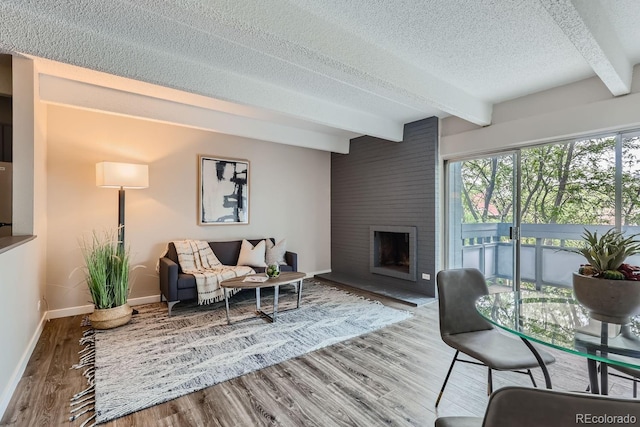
336, 67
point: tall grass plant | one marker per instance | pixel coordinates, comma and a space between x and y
106, 269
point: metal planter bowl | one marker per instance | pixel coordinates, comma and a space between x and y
613, 301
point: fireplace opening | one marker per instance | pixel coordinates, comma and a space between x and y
393, 251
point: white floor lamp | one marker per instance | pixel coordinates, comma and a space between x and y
121, 176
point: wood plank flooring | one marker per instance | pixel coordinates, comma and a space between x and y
389, 377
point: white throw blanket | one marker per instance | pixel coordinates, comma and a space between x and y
197, 258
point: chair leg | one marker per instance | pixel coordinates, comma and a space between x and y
532, 380
635, 388
453, 362
489, 382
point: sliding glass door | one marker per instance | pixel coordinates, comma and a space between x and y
512, 214
630, 186
482, 208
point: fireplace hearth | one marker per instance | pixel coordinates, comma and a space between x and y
393, 251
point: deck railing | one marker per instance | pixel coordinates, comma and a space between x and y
486, 246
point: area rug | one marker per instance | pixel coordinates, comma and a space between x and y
156, 358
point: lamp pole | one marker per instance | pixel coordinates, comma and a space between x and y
121, 219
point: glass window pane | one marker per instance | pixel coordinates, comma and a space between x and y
480, 213
630, 180
630, 211
565, 188
569, 183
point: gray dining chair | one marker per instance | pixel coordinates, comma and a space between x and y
463, 329
530, 407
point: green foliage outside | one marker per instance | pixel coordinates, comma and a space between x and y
569, 183
563, 183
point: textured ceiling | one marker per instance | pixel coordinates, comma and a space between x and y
339, 67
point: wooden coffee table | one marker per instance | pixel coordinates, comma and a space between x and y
285, 278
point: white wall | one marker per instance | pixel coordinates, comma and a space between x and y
289, 195
569, 111
22, 269
20, 321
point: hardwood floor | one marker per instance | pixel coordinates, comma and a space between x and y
389, 377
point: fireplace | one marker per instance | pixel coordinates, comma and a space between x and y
392, 251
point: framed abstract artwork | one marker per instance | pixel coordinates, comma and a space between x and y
224, 191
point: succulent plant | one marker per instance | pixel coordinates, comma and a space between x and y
606, 254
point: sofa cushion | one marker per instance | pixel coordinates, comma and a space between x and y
227, 252
186, 281
253, 256
275, 252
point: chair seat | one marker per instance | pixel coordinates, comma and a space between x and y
459, 422
496, 350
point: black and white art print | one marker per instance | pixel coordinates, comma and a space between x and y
224, 191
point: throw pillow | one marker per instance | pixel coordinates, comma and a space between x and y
275, 252
252, 256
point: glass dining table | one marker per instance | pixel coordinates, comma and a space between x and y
564, 324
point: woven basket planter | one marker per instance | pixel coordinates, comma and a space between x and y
109, 318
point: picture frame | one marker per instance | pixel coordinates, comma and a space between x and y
223, 192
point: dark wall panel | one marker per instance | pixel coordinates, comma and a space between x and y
385, 183
6, 135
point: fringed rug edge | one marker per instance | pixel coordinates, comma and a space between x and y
83, 403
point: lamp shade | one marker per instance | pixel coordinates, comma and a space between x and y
125, 175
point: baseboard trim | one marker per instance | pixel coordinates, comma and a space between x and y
144, 300
68, 312
86, 309
314, 273
7, 394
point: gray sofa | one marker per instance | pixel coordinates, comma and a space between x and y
176, 286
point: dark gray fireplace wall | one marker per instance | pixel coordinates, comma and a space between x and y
386, 183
